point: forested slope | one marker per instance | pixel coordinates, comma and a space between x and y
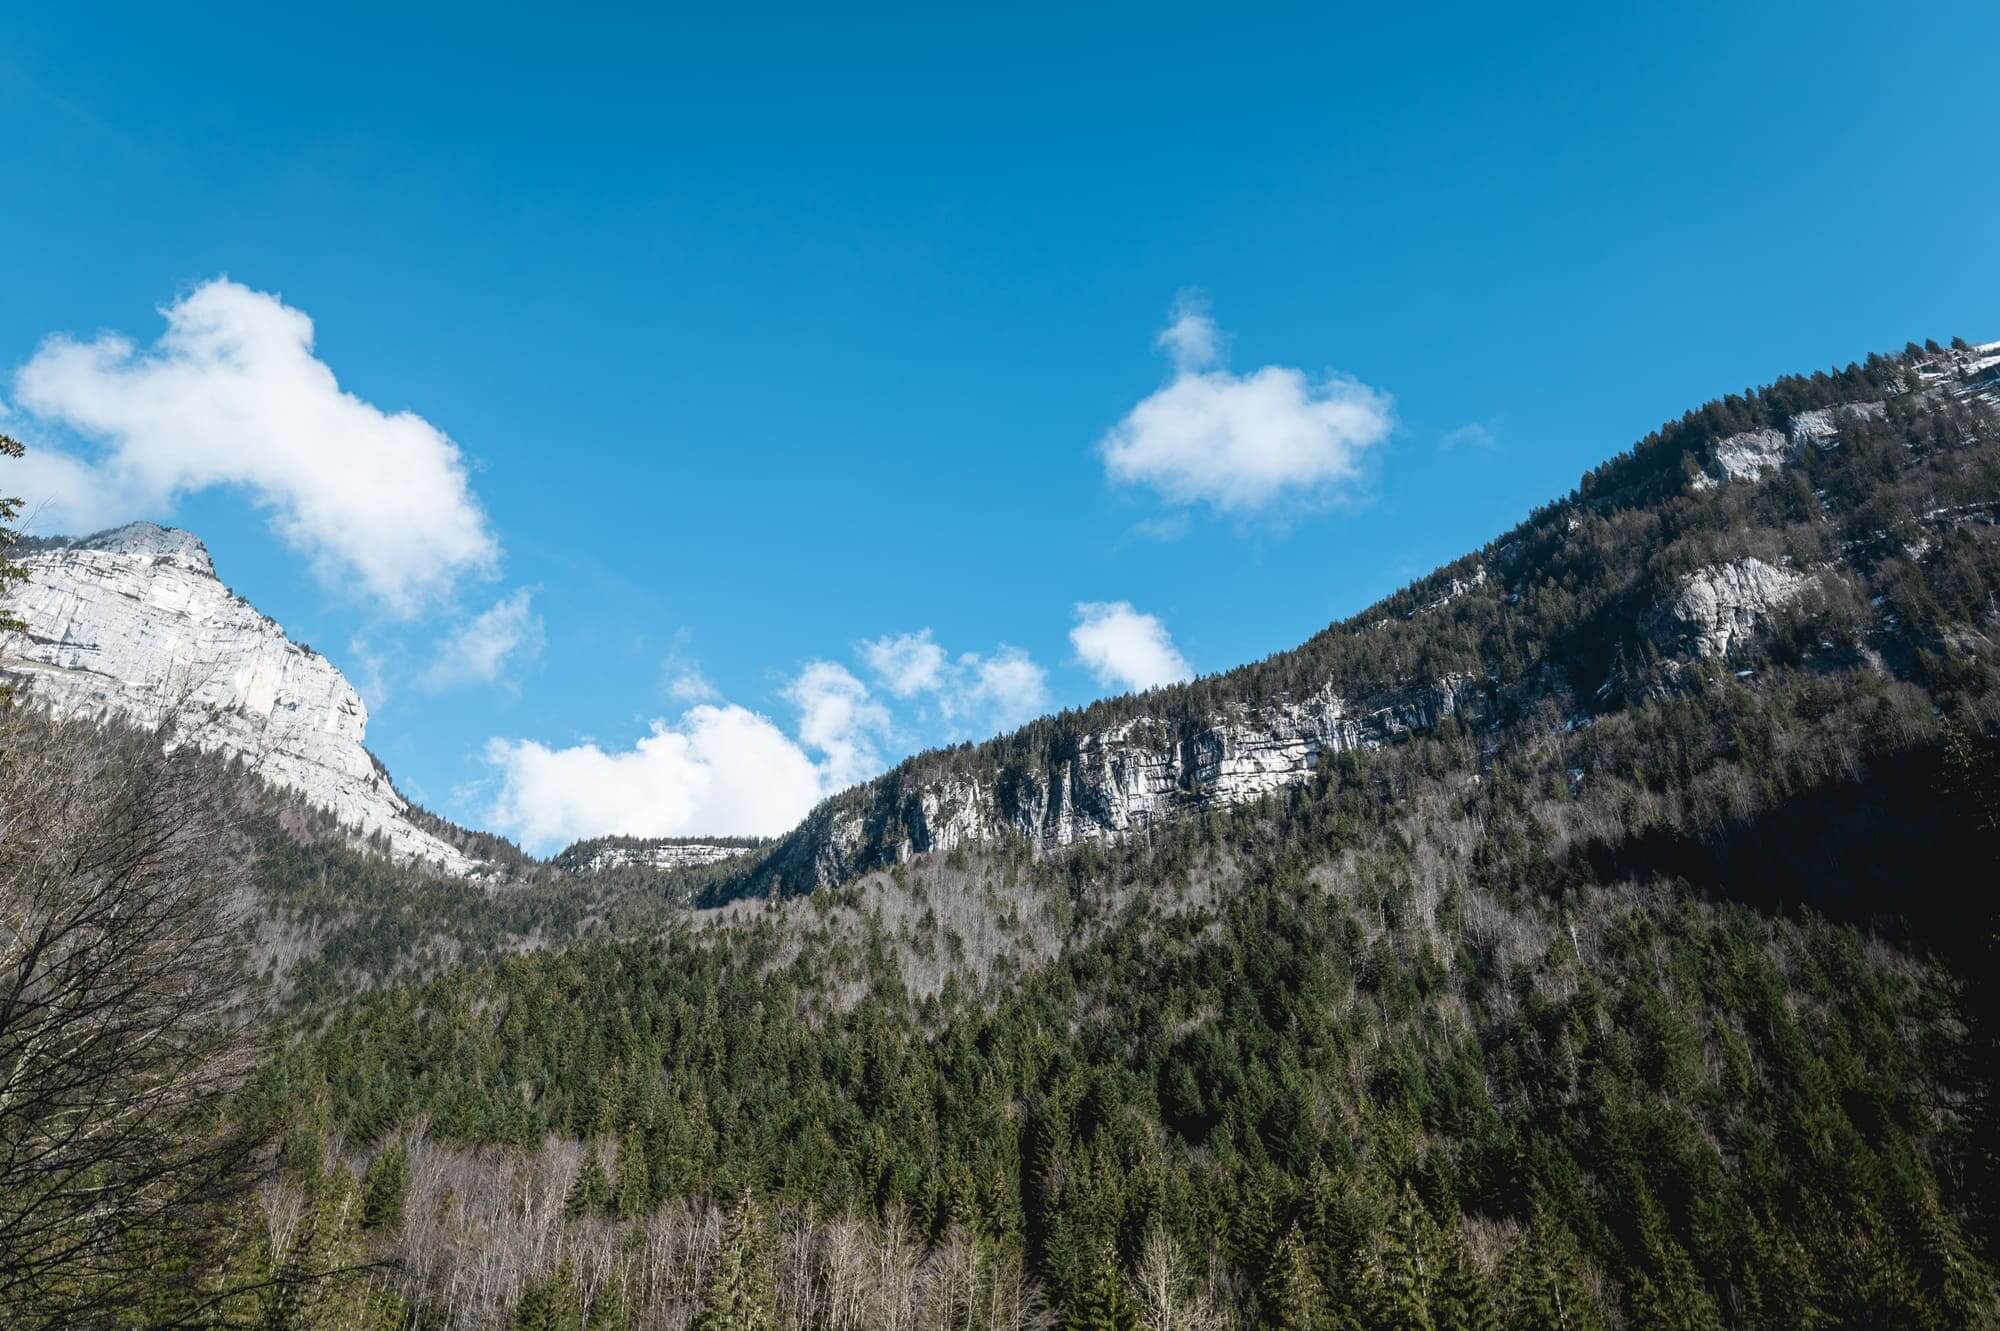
1653, 994
1649, 985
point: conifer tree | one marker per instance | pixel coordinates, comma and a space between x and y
1666, 1290
634, 1187
383, 1189
1541, 1281
1407, 1268
739, 1296
1103, 1303
1294, 1297
591, 1193
550, 1304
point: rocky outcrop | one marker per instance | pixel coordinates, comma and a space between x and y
664, 855
133, 624
1113, 783
1717, 608
1746, 457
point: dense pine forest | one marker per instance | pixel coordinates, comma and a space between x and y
1657, 991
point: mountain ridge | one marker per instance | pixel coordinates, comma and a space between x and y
1118, 766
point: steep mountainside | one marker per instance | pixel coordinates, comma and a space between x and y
1493, 640
134, 623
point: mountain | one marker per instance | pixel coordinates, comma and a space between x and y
133, 623
1591, 934
1559, 621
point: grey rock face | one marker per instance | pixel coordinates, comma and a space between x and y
1116, 782
1719, 607
1746, 457
133, 623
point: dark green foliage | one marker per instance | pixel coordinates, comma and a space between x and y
1102, 1302
549, 1304
1541, 1286
383, 1187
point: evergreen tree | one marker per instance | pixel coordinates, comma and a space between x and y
1294, 1297
549, 1304
383, 1188
634, 1185
1542, 1283
591, 1193
1666, 1290
740, 1296
1103, 1303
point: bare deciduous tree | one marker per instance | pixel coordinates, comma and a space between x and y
120, 1034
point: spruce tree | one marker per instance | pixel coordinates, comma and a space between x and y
634, 1187
383, 1189
1541, 1281
1103, 1303
1294, 1297
740, 1296
591, 1193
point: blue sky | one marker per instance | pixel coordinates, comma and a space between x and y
762, 339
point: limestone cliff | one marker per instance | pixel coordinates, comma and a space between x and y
133, 623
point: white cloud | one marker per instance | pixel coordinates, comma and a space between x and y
995, 691
232, 395
1240, 442
837, 717
720, 769
906, 664
1473, 435
482, 646
1126, 649
686, 683
1007, 687
1191, 336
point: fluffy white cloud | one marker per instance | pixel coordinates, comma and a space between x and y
837, 717
720, 769
1126, 649
479, 649
1239, 442
995, 691
232, 395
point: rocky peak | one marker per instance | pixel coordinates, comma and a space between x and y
132, 623
150, 541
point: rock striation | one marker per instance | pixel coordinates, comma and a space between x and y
1122, 780
133, 624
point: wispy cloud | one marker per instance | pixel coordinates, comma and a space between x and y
483, 646
1473, 435
991, 690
